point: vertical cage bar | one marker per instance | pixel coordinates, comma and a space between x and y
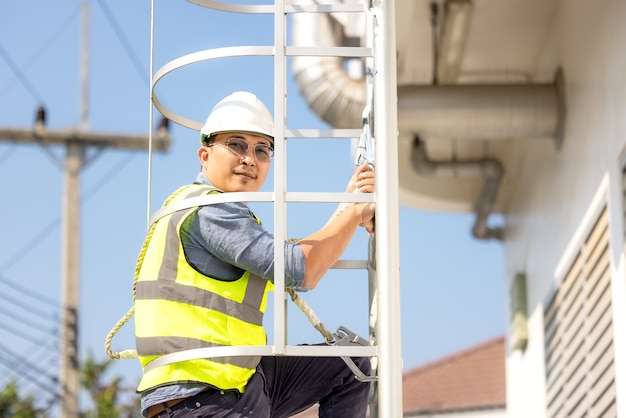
280, 175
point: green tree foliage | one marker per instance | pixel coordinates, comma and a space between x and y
106, 396
15, 406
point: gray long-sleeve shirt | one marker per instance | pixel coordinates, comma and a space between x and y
224, 240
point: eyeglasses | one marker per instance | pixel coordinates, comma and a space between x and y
239, 146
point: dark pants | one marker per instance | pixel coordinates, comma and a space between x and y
284, 386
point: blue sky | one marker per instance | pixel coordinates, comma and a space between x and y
453, 288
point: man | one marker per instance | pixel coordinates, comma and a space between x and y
203, 278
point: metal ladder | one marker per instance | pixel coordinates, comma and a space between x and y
383, 262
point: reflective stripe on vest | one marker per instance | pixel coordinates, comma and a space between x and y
178, 308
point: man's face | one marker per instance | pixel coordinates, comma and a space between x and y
231, 167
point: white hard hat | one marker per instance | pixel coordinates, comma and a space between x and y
239, 112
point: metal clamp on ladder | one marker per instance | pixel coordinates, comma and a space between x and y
345, 337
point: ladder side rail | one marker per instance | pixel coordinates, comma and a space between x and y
372, 280
372, 277
388, 330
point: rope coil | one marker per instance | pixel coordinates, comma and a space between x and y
130, 353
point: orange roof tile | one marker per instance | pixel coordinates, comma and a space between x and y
469, 379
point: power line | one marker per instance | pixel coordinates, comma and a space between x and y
29, 293
124, 41
32, 356
19, 333
43, 352
22, 321
26, 371
20, 366
107, 177
30, 323
40, 373
7, 154
31, 244
20, 76
38, 351
50, 39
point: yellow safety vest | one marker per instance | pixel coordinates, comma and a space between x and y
178, 308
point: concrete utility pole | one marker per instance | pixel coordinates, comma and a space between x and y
76, 143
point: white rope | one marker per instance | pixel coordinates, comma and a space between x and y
107, 342
313, 319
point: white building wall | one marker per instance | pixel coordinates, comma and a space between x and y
556, 188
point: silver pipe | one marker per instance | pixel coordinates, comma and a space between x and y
491, 169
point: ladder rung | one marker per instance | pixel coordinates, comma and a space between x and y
330, 197
323, 133
350, 264
289, 8
329, 51
212, 199
324, 8
330, 351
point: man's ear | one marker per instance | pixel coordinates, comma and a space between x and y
203, 154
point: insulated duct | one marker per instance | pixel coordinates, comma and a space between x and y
460, 111
334, 94
480, 112
452, 111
